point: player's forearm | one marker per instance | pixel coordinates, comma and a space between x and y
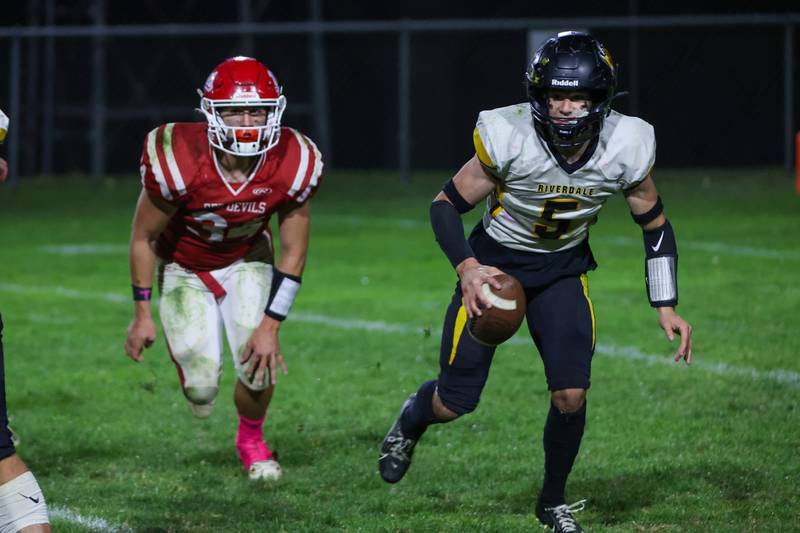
142, 265
449, 232
661, 265
295, 228
293, 260
286, 280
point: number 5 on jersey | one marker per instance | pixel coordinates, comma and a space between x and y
543, 227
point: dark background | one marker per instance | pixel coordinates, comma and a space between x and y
714, 94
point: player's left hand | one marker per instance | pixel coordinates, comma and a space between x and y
263, 351
671, 323
3, 170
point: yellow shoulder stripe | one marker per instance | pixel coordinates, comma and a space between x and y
480, 150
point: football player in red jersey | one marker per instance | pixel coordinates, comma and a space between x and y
22, 505
202, 218
3, 130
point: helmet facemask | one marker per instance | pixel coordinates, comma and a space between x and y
249, 140
569, 132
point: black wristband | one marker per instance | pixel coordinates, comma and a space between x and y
141, 294
649, 216
282, 293
449, 232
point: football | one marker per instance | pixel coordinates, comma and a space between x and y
498, 323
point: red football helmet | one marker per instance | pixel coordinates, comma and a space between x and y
242, 82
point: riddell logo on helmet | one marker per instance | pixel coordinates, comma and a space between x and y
246, 92
564, 83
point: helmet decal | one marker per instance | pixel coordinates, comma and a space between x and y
210, 81
605, 56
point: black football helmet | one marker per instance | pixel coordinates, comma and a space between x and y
572, 61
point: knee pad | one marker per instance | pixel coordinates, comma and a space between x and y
201, 395
247, 381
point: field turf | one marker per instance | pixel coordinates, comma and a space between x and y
713, 447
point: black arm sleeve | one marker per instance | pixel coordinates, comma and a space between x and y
449, 231
458, 201
661, 266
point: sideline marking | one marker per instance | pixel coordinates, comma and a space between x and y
411, 224
778, 375
84, 249
89, 522
711, 248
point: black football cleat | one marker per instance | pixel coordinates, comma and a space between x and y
396, 450
560, 517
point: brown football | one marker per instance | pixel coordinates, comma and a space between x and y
499, 323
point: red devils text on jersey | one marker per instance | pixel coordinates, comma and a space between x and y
218, 222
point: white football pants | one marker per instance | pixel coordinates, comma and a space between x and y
193, 321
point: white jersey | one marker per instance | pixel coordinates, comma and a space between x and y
3, 126
538, 206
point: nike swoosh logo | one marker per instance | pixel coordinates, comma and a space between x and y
658, 244
31, 498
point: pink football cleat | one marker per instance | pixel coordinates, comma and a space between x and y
256, 457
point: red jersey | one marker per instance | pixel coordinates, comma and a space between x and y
217, 222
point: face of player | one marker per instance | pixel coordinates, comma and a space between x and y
244, 116
566, 105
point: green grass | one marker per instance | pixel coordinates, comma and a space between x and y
667, 448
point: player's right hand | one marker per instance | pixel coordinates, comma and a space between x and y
3, 170
141, 335
473, 275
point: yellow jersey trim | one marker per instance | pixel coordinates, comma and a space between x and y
480, 150
498, 192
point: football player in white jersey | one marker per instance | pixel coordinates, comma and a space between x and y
22, 505
544, 168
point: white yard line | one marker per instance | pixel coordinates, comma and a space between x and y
778, 375
785, 377
709, 247
84, 249
89, 522
700, 246
63, 292
350, 324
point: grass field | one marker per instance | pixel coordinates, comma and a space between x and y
714, 447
